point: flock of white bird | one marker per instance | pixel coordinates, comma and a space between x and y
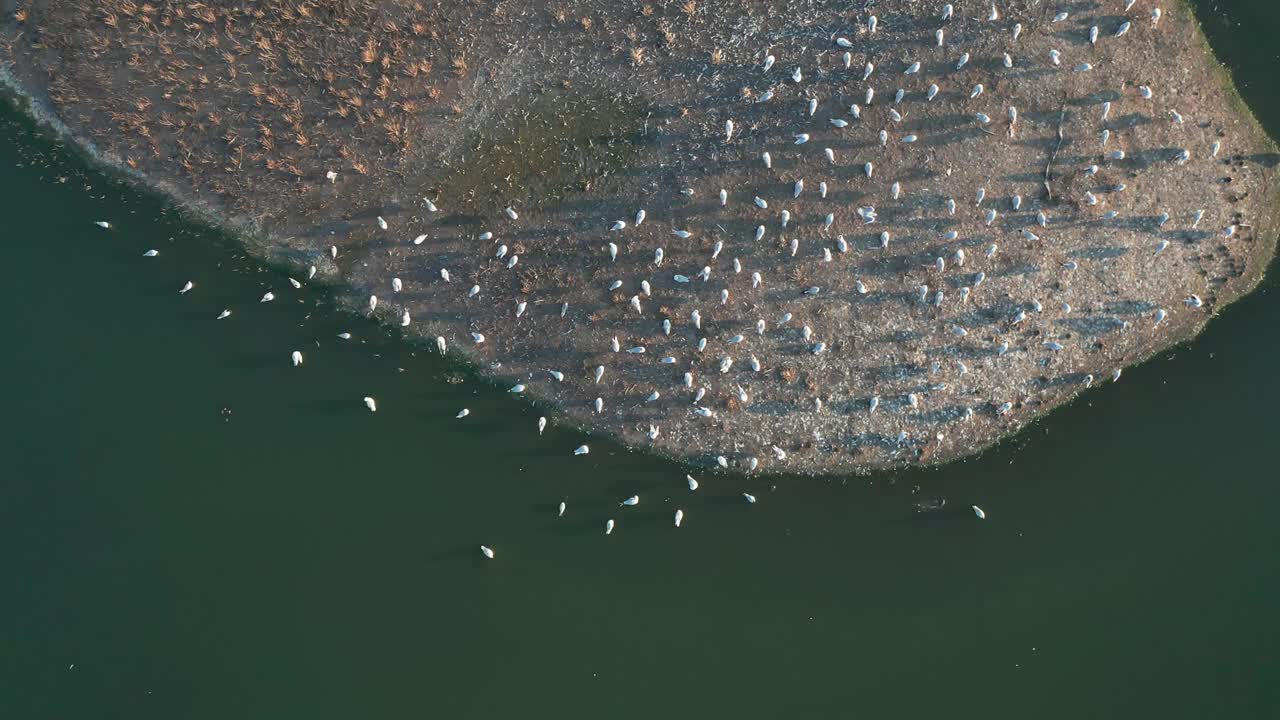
806, 137
965, 271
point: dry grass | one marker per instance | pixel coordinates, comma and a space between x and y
278, 85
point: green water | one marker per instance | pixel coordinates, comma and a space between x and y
192, 528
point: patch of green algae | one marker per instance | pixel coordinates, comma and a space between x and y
560, 144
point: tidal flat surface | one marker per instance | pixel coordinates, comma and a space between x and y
194, 528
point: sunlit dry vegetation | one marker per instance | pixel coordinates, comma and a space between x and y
297, 87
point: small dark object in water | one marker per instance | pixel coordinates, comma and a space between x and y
929, 504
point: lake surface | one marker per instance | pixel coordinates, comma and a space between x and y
190, 527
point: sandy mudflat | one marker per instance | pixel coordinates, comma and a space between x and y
958, 330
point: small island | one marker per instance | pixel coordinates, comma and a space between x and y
781, 237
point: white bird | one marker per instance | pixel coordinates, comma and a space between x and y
600, 368
560, 510
631, 501
798, 187
801, 138
186, 288
749, 497
102, 224
768, 62
682, 234
151, 253
371, 404
796, 75
618, 225
419, 240
964, 60
462, 413
542, 425
512, 214
979, 512
1093, 35
441, 345
487, 552
679, 517
912, 69
382, 223
296, 357
728, 130
477, 338
639, 217
224, 314
581, 450
608, 527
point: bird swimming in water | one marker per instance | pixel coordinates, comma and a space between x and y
296, 358
979, 512
371, 404
679, 517
486, 551
224, 315
581, 450
608, 527
462, 413
186, 288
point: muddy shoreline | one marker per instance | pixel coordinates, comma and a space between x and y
574, 152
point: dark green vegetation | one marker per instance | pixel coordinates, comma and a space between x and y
206, 532
562, 143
